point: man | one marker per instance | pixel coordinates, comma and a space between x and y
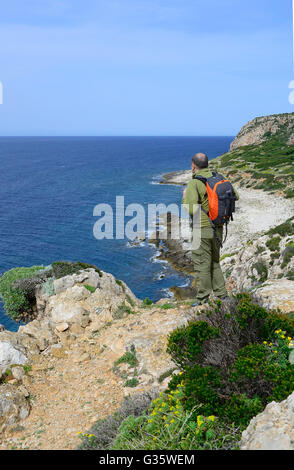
206, 258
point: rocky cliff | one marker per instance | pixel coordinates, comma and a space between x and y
260, 129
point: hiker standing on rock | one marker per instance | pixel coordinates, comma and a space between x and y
215, 196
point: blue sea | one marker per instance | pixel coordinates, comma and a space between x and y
50, 186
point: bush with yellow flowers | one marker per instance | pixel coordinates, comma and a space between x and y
237, 363
167, 425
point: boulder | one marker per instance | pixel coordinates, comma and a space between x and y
272, 429
9, 354
89, 276
277, 293
41, 331
13, 406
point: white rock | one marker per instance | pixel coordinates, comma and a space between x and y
62, 326
10, 355
273, 429
67, 312
278, 293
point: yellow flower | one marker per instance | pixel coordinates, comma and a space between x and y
276, 352
211, 418
172, 421
180, 373
199, 420
270, 344
265, 342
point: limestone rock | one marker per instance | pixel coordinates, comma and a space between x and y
89, 276
254, 133
18, 372
13, 406
62, 327
10, 355
41, 331
272, 429
277, 293
58, 351
69, 312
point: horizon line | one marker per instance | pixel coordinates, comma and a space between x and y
116, 135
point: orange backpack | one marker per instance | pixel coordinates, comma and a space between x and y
221, 200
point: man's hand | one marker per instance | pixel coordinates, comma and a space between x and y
184, 193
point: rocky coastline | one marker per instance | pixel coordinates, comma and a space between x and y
66, 368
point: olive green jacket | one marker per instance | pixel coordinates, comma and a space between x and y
196, 188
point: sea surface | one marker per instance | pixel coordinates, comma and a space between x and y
50, 186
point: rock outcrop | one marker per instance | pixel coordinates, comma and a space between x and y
258, 130
272, 429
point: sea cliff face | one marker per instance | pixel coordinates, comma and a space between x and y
260, 129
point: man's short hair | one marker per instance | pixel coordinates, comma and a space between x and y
200, 160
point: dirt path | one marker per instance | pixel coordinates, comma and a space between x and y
67, 395
72, 391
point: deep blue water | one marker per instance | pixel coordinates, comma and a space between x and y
50, 185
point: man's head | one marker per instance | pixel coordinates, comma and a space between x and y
199, 161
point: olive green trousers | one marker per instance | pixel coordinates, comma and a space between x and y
208, 272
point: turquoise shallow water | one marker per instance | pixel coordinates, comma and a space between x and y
50, 186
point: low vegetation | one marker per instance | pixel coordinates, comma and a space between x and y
268, 166
18, 285
231, 363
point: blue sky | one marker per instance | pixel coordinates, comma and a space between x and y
142, 67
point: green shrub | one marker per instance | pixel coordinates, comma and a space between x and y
133, 382
288, 254
67, 268
90, 288
129, 357
184, 343
286, 228
168, 426
147, 301
130, 300
121, 284
121, 311
16, 289
234, 361
274, 243
166, 306
262, 270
